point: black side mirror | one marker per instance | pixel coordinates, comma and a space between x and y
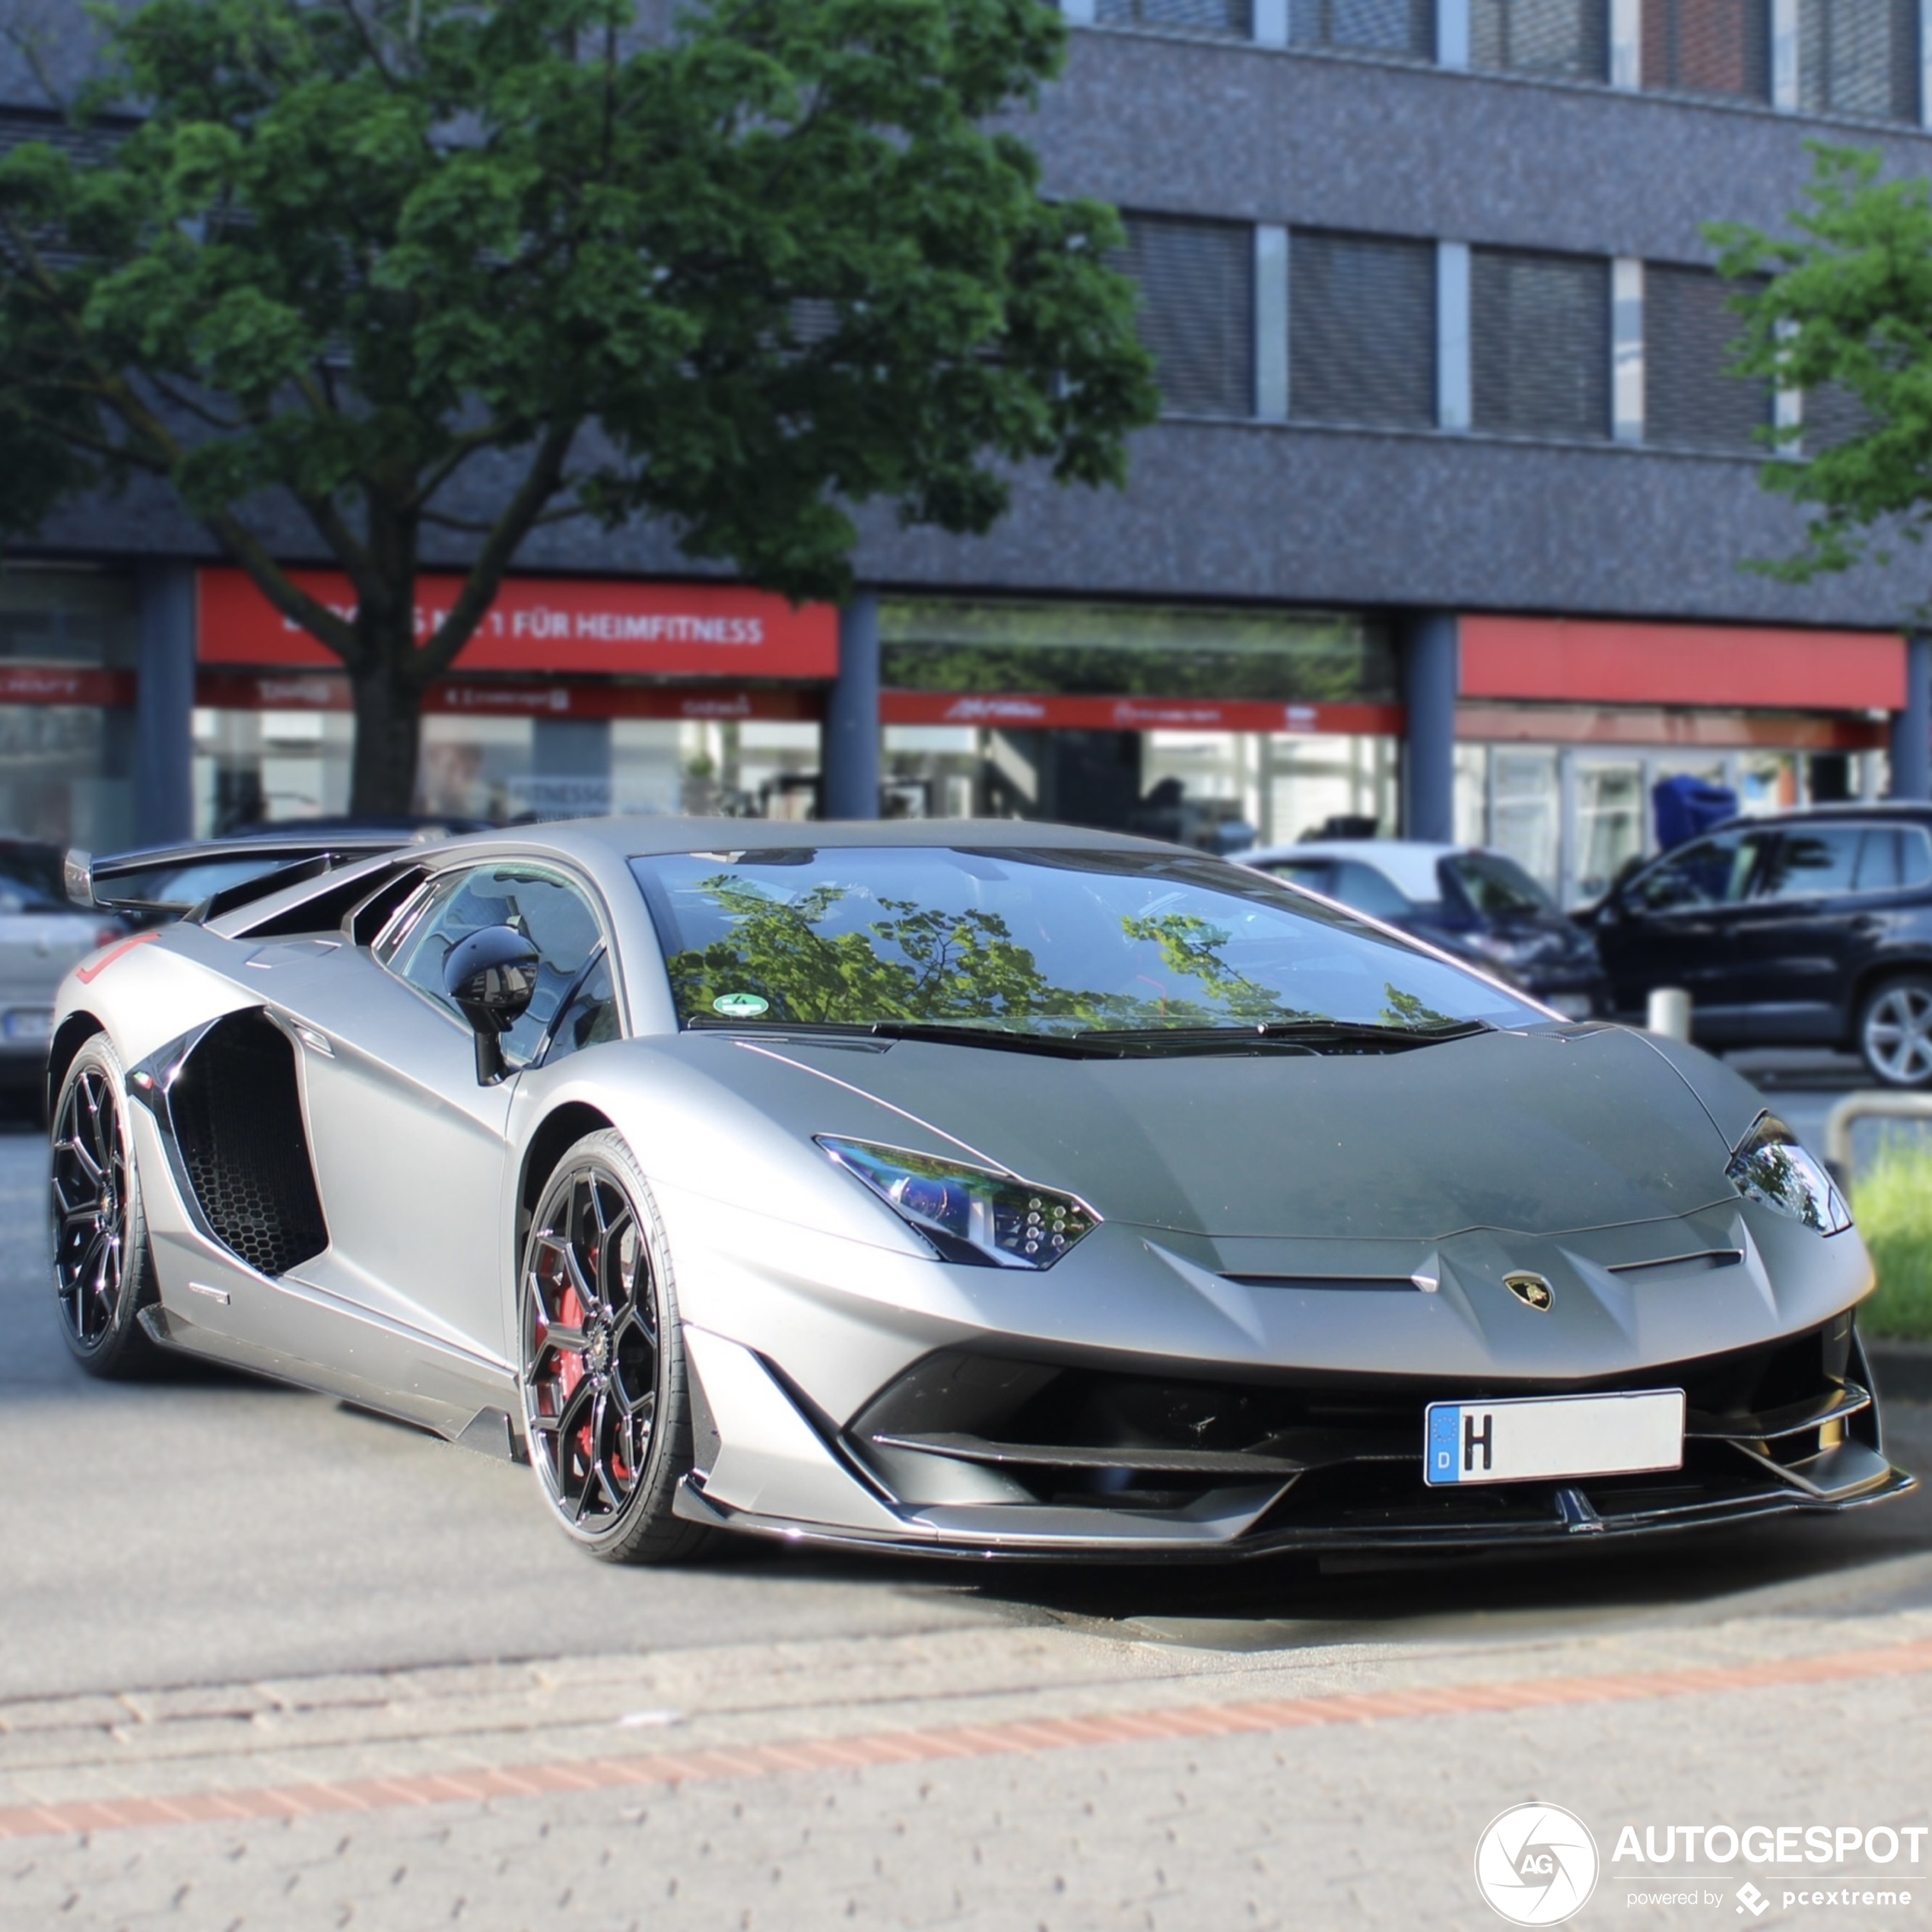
492, 977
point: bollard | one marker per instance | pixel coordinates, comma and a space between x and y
1669, 1012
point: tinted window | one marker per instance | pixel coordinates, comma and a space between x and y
1894, 858
1311, 875
1369, 891
552, 913
1914, 856
30, 881
589, 1019
1808, 863
1034, 940
1496, 887
1710, 871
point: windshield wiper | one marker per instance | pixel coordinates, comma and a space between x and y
1061, 1046
1304, 1036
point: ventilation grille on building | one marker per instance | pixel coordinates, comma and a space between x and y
1708, 46
237, 1120
1197, 310
1568, 38
1362, 330
1230, 16
1859, 57
1539, 343
1832, 415
1403, 30
1691, 336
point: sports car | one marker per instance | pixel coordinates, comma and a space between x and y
970, 1188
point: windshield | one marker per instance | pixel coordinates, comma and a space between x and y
1035, 941
1496, 887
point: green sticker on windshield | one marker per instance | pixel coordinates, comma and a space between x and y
740, 1005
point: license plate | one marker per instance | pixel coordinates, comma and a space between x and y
1536, 1437
28, 1023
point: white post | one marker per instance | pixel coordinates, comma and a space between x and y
1271, 367
1784, 55
1627, 350
1452, 33
1627, 43
1452, 342
1669, 1012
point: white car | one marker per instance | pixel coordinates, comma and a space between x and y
42, 938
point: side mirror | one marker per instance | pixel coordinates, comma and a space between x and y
492, 977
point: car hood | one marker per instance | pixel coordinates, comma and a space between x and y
1542, 1131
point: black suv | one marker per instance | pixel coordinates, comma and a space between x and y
1803, 929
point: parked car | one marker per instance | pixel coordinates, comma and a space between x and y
41, 937
1480, 905
1799, 929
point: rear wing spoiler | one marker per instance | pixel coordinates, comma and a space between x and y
147, 884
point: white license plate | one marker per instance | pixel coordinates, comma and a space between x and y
1536, 1437
29, 1023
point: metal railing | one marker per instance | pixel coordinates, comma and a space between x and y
1875, 1103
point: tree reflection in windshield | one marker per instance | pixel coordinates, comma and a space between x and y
1053, 946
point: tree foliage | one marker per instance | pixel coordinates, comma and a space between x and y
1847, 313
444, 270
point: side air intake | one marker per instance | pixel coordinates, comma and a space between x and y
237, 1118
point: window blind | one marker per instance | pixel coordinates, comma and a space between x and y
1197, 310
1361, 329
1233, 17
1404, 30
1567, 38
1690, 333
1708, 46
1539, 343
1859, 57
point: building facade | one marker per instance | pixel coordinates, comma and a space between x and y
1445, 527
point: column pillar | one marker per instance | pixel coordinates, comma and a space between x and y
164, 705
849, 789
1430, 661
1911, 724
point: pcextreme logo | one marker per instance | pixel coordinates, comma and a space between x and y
1537, 1864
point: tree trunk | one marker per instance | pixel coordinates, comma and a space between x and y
388, 714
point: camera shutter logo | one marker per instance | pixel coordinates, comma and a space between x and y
1537, 1864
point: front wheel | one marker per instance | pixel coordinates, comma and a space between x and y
1895, 1031
103, 1273
605, 1408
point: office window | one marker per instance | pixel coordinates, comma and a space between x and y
1539, 343
1567, 38
1362, 330
1690, 333
1235, 17
1708, 46
1404, 30
1197, 310
1859, 57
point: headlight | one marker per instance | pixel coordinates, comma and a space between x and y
968, 1213
1770, 1166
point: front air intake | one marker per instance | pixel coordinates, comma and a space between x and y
236, 1114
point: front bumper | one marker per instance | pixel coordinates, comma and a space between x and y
973, 1453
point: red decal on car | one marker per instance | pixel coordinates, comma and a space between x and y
88, 974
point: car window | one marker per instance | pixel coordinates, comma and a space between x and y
1812, 861
1369, 891
553, 914
30, 881
1914, 856
1311, 875
1710, 871
1893, 859
589, 1017
1494, 886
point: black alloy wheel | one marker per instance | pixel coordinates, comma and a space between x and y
101, 1267
604, 1409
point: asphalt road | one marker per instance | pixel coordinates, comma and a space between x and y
188, 1544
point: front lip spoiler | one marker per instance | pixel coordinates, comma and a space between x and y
1563, 1525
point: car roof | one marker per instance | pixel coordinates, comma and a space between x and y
1914, 811
1410, 863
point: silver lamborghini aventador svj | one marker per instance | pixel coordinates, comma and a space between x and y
959, 1187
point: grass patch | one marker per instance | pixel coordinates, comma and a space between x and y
1892, 1200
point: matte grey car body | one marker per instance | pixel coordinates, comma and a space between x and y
1282, 1253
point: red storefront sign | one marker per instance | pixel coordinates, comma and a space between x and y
47, 683
1562, 660
549, 625
1051, 713
232, 691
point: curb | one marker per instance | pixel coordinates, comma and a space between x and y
1902, 1370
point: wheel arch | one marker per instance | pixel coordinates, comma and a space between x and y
1873, 974
73, 1033
558, 1132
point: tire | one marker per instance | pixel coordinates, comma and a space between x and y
103, 1268
1894, 1031
601, 1362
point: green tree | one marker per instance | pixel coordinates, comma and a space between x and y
1848, 307
455, 268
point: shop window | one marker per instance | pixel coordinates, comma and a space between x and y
1402, 29
1539, 347
1235, 18
1859, 57
1362, 330
1691, 335
1566, 39
1197, 310
1709, 47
